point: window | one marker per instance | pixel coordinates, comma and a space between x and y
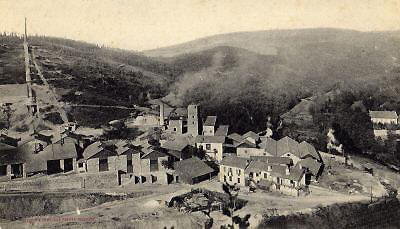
208, 146
80, 165
265, 175
3, 170
175, 129
238, 180
230, 178
103, 165
153, 165
238, 172
224, 178
230, 170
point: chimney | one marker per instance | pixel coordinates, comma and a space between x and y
25, 35
162, 114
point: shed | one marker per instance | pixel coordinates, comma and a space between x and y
192, 171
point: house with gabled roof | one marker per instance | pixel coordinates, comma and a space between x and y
100, 157
178, 149
222, 130
288, 147
247, 149
210, 126
235, 138
307, 150
252, 137
212, 145
232, 170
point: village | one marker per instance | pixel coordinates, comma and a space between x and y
175, 152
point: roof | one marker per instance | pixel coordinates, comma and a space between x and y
153, 154
313, 165
246, 144
256, 166
222, 130
306, 148
295, 174
7, 140
383, 114
13, 90
234, 161
210, 121
236, 137
287, 145
210, 139
302, 108
60, 151
177, 145
97, 149
269, 145
273, 160
192, 167
252, 135
278, 170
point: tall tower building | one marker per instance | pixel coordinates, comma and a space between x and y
162, 118
193, 120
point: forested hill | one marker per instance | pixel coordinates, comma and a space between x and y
265, 73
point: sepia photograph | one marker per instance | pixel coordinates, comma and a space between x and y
192, 114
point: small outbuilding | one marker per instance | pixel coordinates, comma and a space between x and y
192, 171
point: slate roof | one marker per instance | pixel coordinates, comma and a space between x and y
222, 130
177, 145
256, 166
97, 149
210, 139
60, 151
269, 146
236, 137
13, 90
252, 135
192, 167
246, 144
287, 145
313, 165
273, 159
383, 114
152, 154
306, 148
295, 174
278, 170
234, 161
210, 121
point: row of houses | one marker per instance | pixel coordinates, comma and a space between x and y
270, 173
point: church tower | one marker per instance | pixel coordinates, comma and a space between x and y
193, 120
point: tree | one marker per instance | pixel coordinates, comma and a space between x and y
233, 193
167, 164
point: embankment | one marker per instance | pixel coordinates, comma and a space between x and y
22, 205
384, 213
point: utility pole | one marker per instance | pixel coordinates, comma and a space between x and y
371, 193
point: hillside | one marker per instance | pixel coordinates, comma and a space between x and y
218, 70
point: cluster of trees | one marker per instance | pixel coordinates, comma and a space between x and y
352, 125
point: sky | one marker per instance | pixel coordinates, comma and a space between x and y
149, 24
